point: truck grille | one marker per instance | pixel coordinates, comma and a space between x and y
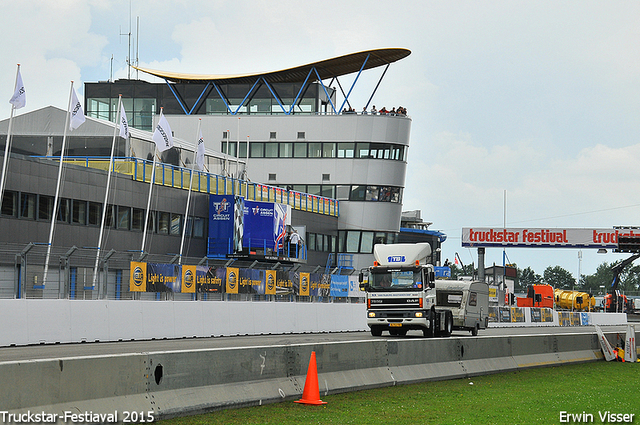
387, 303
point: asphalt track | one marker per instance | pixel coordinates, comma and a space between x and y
92, 349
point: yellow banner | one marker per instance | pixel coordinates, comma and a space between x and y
138, 277
232, 280
189, 279
270, 282
304, 284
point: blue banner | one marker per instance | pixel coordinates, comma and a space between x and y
444, 272
221, 208
259, 225
339, 286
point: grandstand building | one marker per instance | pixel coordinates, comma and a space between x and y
285, 137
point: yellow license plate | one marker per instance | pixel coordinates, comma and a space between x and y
395, 325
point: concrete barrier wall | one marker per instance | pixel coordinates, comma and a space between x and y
36, 321
559, 318
177, 383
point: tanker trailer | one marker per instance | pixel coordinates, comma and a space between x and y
574, 300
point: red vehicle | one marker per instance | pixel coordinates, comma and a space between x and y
537, 296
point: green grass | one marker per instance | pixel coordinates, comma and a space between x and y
532, 396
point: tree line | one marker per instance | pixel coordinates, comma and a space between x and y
560, 278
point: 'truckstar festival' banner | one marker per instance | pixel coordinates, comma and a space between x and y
543, 238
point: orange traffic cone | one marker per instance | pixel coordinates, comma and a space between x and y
311, 393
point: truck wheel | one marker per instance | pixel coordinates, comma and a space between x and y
448, 323
474, 331
376, 331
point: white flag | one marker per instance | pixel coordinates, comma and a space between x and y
162, 135
19, 98
124, 125
77, 114
200, 153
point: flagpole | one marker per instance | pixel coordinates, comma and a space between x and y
146, 217
153, 177
226, 158
55, 201
186, 213
238, 152
7, 147
106, 194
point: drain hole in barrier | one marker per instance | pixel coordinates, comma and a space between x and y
157, 373
462, 351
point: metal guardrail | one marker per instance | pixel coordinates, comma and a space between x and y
209, 183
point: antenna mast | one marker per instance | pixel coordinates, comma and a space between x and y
137, 42
129, 40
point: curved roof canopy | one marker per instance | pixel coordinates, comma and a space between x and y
328, 68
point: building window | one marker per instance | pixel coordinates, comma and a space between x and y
366, 244
109, 220
372, 193
300, 150
272, 177
257, 150
79, 212
10, 203
243, 150
313, 189
124, 214
301, 135
328, 150
315, 150
151, 224
346, 150
63, 210
198, 227
353, 241
230, 148
270, 150
328, 191
272, 135
342, 192
95, 213
362, 150
326, 177
286, 150
358, 193
163, 223
45, 207
137, 219
176, 219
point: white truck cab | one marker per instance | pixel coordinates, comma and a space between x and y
402, 295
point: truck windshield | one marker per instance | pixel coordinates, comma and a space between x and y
391, 280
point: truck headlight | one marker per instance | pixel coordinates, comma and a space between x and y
418, 314
372, 314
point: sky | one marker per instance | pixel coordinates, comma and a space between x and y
523, 112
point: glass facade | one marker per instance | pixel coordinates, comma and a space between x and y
89, 213
388, 151
142, 99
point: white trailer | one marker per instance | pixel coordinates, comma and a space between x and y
468, 302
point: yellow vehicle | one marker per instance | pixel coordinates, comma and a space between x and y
574, 300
